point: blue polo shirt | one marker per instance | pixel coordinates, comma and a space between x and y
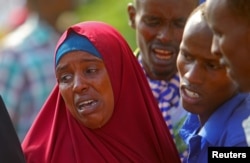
223, 128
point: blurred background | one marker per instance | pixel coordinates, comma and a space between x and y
113, 12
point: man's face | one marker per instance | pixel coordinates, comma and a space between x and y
159, 26
203, 81
232, 39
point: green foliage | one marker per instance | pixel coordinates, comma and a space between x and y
113, 12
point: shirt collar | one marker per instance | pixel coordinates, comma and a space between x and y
216, 123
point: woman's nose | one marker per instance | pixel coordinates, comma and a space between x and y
80, 83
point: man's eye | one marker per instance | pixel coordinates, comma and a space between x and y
214, 66
186, 56
217, 33
180, 23
152, 21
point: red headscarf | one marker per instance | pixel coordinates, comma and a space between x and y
136, 131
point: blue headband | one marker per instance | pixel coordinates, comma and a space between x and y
75, 42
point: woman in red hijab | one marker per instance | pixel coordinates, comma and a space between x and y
102, 109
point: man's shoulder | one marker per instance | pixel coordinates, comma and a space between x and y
137, 52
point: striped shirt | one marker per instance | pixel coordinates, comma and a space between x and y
27, 72
166, 92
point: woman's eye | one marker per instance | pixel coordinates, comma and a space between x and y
91, 70
65, 78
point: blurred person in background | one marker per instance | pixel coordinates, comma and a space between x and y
26, 61
13, 14
159, 26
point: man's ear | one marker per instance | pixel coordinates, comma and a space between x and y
131, 13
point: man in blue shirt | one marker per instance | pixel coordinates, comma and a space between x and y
234, 45
216, 108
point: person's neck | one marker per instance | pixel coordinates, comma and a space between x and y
154, 76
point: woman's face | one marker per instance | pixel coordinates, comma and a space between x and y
86, 88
